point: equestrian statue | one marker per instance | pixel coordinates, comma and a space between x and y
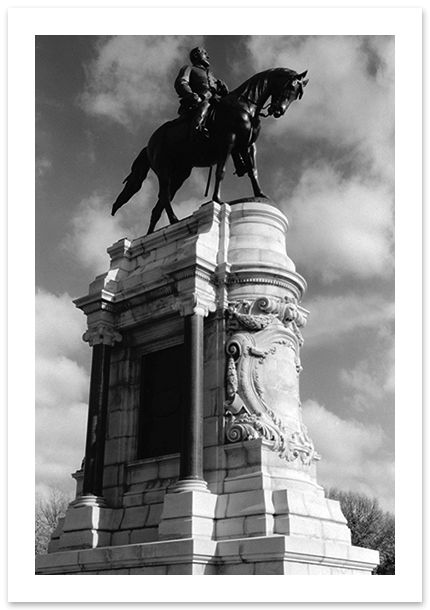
213, 124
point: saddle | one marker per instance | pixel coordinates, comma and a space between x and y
185, 119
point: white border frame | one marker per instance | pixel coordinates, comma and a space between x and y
405, 24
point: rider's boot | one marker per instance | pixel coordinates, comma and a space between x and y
198, 128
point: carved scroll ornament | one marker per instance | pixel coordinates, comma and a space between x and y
101, 333
263, 365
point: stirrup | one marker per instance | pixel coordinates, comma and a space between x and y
199, 133
202, 131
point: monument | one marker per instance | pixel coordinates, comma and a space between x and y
197, 459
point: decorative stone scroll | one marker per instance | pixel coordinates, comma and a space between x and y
194, 304
263, 367
101, 333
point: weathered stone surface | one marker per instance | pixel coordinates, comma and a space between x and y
135, 517
186, 527
230, 528
268, 568
149, 571
120, 538
189, 504
148, 534
154, 516
85, 527
258, 525
187, 515
84, 539
258, 555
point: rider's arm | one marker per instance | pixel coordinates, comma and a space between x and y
222, 88
182, 82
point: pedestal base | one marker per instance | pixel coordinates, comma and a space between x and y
188, 514
275, 555
87, 525
262, 511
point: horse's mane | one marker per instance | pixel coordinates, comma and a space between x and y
259, 81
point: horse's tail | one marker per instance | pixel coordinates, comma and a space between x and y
133, 182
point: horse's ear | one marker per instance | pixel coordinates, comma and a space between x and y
305, 82
302, 75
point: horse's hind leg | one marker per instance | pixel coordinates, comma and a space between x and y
167, 195
155, 216
163, 183
168, 185
177, 180
251, 164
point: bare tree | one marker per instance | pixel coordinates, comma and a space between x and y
370, 526
49, 509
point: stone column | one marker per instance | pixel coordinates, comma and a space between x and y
189, 511
191, 463
101, 338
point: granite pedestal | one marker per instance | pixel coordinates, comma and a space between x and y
197, 458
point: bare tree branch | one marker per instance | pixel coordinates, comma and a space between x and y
48, 511
370, 526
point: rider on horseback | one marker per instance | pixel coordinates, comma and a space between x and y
236, 125
196, 85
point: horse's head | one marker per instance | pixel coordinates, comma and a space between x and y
287, 88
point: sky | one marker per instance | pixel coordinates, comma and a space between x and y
328, 164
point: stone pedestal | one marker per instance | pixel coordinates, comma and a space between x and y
199, 461
190, 514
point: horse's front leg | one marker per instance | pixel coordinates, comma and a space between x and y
250, 158
220, 168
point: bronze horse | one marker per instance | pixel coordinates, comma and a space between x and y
233, 124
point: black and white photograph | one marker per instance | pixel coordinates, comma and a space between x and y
217, 358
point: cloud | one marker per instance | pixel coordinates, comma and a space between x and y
62, 388
129, 77
43, 165
364, 384
340, 227
59, 326
93, 229
60, 381
353, 455
338, 144
60, 444
333, 318
370, 381
349, 100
